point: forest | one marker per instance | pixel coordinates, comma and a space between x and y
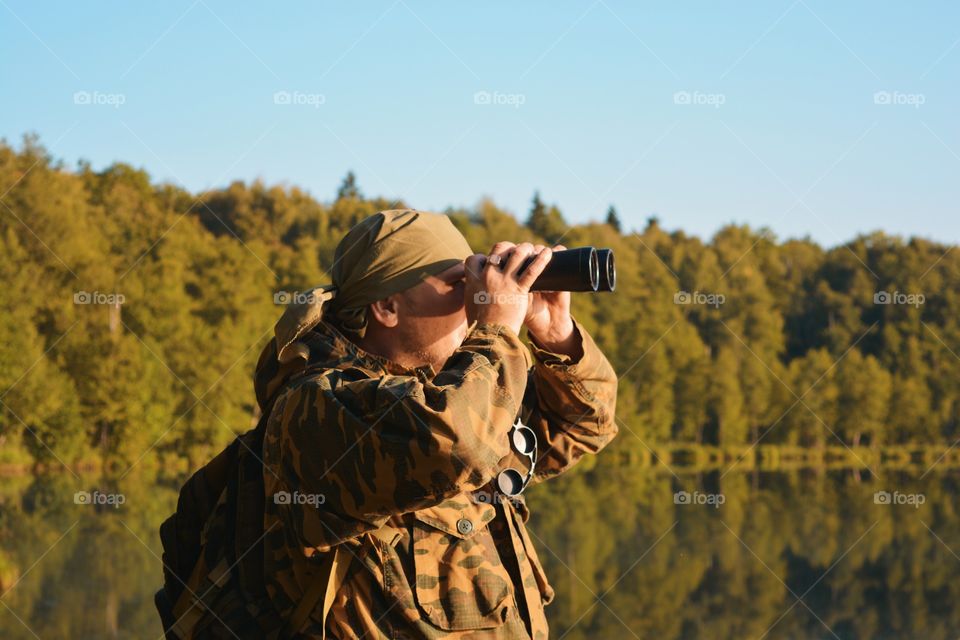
134, 312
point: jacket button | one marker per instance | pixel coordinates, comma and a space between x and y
464, 526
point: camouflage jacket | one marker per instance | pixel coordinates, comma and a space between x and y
356, 441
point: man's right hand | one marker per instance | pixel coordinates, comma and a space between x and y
496, 293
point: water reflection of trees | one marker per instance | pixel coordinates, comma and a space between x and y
863, 570
80, 571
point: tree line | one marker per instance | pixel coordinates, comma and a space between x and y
135, 310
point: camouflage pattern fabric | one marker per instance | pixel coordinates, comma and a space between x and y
355, 442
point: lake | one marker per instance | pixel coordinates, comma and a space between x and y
631, 553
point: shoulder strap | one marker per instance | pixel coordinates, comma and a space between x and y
328, 582
324, 585
189, 608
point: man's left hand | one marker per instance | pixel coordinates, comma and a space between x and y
548, 319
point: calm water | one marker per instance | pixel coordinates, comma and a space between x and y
775, 555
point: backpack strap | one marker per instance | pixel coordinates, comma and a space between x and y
327, 583
189, 608
324, 585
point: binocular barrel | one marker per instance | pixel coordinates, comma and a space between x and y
581, 269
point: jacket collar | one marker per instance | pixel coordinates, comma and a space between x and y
357, 356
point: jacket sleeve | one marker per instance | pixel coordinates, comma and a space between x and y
369, 449
570, 405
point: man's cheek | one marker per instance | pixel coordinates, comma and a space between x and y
454, 302
458, 290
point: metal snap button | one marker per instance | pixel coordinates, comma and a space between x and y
464, 526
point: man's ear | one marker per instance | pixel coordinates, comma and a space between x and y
386, 311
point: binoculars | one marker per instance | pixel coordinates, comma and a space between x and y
581, 269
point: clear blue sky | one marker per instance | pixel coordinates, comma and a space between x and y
702, 113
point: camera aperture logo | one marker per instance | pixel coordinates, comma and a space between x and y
295, 497
697, 498
98, 498
698, 297
896, 498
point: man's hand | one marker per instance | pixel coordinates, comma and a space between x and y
495, 292
548, 318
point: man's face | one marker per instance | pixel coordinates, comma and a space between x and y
432, 320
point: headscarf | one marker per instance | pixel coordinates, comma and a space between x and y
383, 254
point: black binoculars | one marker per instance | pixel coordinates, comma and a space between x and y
581, 269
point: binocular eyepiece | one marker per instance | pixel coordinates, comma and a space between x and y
581, 269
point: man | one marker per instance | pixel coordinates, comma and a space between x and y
393, 396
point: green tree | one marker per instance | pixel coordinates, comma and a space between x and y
613, 219
546, 222
348, 188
